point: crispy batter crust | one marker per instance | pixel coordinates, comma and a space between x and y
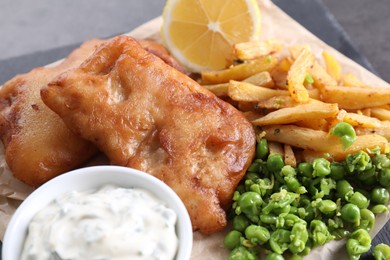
38, 145
144, 114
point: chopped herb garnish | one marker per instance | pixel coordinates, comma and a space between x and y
309, 79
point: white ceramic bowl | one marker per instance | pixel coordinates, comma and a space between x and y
89, 178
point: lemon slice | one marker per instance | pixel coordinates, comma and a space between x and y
200, 33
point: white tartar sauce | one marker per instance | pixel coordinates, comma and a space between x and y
110, 223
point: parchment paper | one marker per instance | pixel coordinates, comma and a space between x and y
275, 25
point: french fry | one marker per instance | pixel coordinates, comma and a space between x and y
296, 76
362, 142
350, 80
381, 113
277, 102
262, 79
332, 65
289, 156
321, 141
275, 148
321, 77
255, 49
309, 155
315, 124
355, 119
240, 71
285, 64
314, 93
337, 119
220, 90
319, 74
304, 138
295, 50
384, 130
364, 111
279, 72
355, 97
295, 101
308, 111
242, 91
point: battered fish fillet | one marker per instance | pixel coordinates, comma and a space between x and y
144, 114
38, 145
161, 52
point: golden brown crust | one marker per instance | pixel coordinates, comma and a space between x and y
161, 52
143, 114
38, 145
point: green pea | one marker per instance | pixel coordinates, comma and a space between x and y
321, 167
384, 177
262, 149
335, 223
232, 239
280, 240
381, 161
309, 213
257, 234
287, 170
343, 189
358, 243
345, 132
378, 209
249, 203
268, 219
367, 219
366, 193
281, 210
242, 253
291, 220
319, 233
250, 179
351, 213
299, 236
367, 175
305, 169
381, 252
358, 162
327, 206
337, 171
308, 248
275, 162
380, 196
313, 187
274, 256
327, 185
358, 199
240, 223
253, 168
295, 257
293, 210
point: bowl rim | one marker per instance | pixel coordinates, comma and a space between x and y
107, 174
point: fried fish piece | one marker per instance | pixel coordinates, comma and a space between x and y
161, 52
38, 145
146, 115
